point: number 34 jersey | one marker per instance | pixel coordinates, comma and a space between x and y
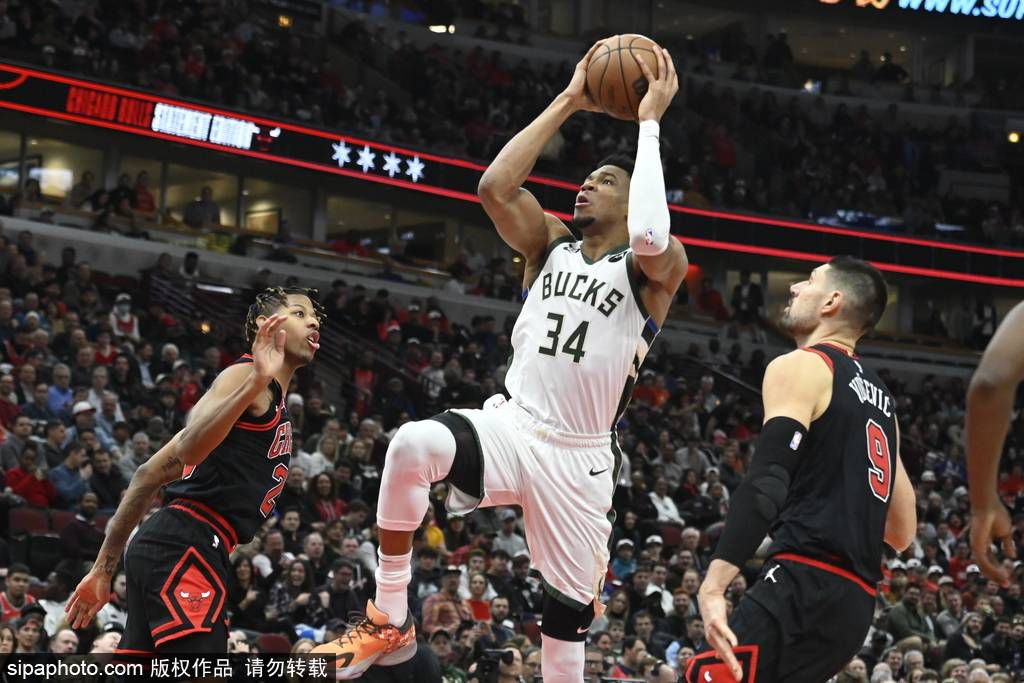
841, 490
580, 339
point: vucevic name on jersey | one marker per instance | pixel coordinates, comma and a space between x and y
840, 494
243, 476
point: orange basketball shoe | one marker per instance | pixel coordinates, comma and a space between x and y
370, 640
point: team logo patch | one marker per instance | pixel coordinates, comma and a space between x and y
707, 668
194, 596
794, 443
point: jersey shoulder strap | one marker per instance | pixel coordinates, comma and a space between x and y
276, 392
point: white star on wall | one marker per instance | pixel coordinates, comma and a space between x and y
414, 169
342, 153
392, 164
366, 158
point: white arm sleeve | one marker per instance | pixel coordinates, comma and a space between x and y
648, 219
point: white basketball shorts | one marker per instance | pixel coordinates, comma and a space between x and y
564, 483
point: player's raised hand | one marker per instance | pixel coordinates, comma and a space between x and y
660, 89
717, 631
990, 523
577, 88
268, 347
92, 593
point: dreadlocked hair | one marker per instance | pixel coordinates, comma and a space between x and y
273, 298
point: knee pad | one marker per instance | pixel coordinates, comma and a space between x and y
564, 622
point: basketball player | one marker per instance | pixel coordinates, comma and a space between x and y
990, 400
225, 470
828, 484
592, 309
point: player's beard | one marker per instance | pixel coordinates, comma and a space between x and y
794, 323
580, 225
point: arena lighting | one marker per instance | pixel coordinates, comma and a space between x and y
284, 21
438, 28
99, 105
1013, 137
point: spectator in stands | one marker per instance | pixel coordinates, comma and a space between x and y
81, 191
123, 323
142, 199
246, 602
31, 482
15, 595
293, 600
28, 630
107, 482
14, 444
508, 539
80, 538
71, 477
116, 609
907, 624
84, 415
203, 213
342, 597
60, 393
140, 453
890, 71
445, 609
628, 665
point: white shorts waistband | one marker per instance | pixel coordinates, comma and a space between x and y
545, 432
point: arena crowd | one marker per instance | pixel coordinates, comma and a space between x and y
95, 379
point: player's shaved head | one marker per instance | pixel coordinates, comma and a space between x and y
863, 287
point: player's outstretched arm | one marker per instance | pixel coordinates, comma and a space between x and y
661, 258
796, 390
93, 591
901, 520
210, 420
516, 213
989, 405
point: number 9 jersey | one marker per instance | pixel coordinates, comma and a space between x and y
839, 498
580, 339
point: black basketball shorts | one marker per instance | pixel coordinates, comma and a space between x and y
800, 622
177, 567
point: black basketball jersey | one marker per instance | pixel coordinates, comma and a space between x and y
840, 493
242, 477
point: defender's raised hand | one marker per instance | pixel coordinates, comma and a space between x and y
268, 347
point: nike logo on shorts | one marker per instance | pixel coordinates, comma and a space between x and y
582, 630
594, 474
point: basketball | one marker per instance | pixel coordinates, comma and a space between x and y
614, 79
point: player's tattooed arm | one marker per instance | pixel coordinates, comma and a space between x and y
164, 467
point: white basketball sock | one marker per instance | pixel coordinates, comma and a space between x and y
393, 576
562, 661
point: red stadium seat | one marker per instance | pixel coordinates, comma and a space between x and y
531, 629
60, 519
672, 535
273, 644
29, 520
100, 522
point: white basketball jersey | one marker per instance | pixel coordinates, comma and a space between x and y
580, 340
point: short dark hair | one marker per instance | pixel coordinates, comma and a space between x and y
620, 160
18, 568
864, 285
273, 298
